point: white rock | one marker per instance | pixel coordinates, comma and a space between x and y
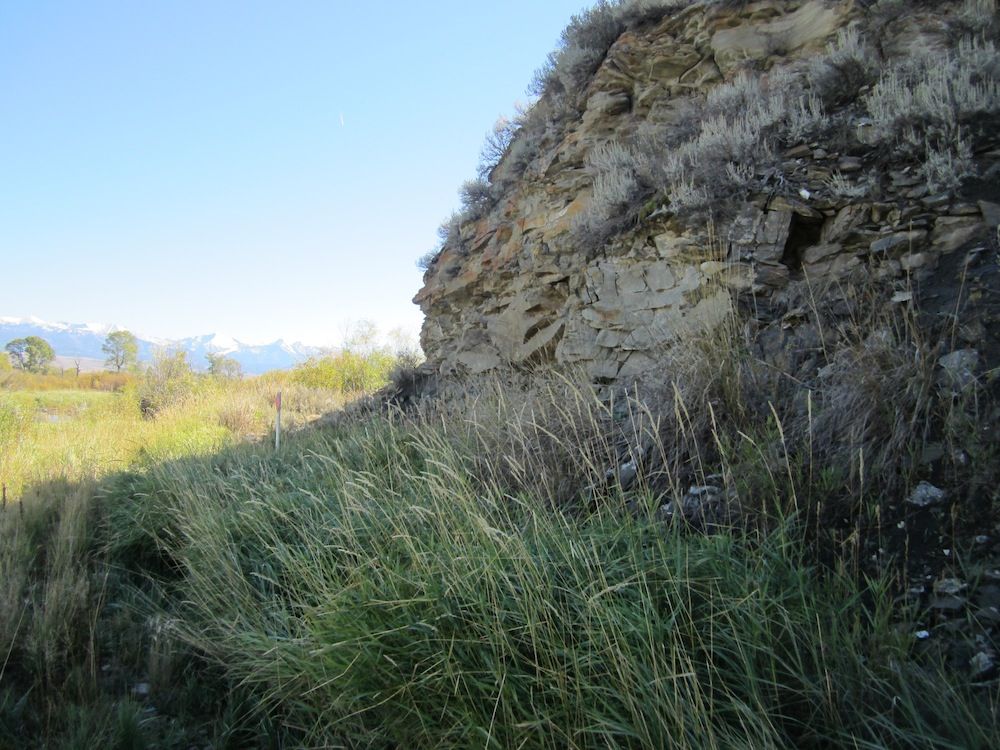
926, 494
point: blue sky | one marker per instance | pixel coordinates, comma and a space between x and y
258, 169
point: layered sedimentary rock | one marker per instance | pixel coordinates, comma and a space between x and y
524, 284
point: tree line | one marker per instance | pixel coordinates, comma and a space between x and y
121, 349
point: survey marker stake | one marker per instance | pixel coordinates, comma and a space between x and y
277, 421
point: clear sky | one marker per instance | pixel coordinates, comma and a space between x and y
256, 169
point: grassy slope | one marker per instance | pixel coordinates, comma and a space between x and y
423, 582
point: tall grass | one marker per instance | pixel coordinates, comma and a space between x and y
64, 608
371, 589
499, 568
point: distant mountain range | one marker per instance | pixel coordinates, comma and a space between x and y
84, 340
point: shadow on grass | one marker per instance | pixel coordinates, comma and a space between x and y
364, 587
85, 578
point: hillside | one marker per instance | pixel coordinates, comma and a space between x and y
704, 453
689, 161
734, 214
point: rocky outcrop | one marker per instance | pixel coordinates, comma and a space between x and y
526, 283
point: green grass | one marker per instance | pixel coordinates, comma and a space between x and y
465, 575
374, 586
369, 593
81, 435
64, 402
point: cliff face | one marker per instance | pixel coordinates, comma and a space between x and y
770, 158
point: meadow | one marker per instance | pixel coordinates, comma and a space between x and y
83, 434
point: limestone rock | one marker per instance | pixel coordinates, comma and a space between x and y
991, 213
526, 283
899, 243
812, 23
951, 232
926, 494
958, 369
760, 235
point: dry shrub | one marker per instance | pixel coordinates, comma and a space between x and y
848, 65
723, 148
872, 409
242, 414
925, 105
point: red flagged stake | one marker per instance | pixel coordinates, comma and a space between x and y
277, 421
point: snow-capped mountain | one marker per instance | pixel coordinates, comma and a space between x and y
254, 358
86, 339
